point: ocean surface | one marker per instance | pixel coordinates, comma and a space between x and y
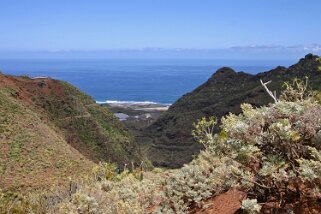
110, 80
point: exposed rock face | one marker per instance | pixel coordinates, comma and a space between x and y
224, 91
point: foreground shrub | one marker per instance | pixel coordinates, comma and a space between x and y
271, 153
122, 195
251, 206
277, 147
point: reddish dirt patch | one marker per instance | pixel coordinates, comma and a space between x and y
225, 203
28, 88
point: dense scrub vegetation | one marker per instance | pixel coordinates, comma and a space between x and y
271, 154
33, 153
90, 128
50, 130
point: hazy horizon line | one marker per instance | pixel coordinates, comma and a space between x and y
249, 52
312, 46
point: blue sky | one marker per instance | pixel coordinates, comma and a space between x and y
103, 24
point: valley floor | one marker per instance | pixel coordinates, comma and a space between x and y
137, 114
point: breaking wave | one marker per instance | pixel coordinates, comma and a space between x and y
129, 102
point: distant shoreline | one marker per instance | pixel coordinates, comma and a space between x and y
136, 110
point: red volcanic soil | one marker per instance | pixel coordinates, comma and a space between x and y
27, 88
225, 203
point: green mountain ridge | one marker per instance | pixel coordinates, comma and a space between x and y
170, 138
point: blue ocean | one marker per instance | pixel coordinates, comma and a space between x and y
136, 80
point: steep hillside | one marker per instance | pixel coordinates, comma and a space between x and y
50, 130
170, 136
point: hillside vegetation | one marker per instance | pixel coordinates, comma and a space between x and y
264, 160
170, 139
49, 130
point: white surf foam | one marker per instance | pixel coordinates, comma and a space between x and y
115, 102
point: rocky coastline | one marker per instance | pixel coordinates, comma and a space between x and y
143, 113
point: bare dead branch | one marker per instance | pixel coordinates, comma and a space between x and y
273, 95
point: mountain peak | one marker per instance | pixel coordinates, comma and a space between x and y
225, 71
309, 57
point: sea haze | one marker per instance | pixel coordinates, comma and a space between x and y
160, 81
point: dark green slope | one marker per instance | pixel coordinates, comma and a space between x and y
170, 136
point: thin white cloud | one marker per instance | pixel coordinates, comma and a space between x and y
310, 47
